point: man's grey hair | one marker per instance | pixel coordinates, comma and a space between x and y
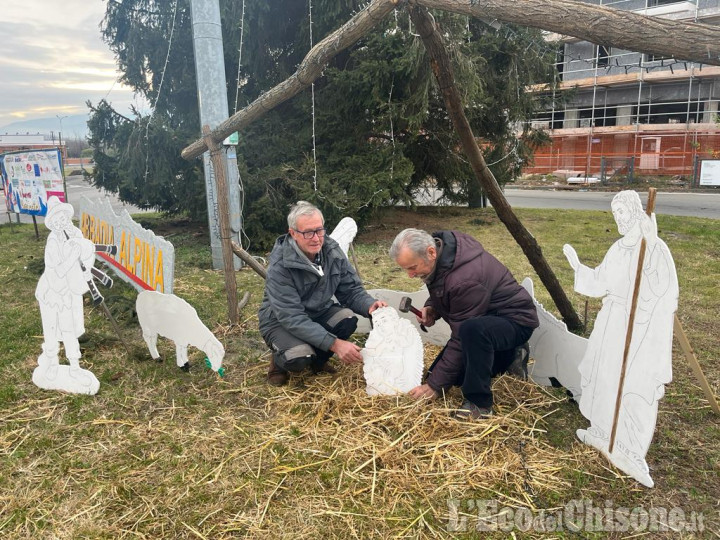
415, 240
631, 200
302, 208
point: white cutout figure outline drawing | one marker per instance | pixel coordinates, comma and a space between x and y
344, 233
60, 292
556, 352
649, 365
393, 354
172, 317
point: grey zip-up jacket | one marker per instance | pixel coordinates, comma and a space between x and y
295, 293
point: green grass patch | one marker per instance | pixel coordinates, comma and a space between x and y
160, 453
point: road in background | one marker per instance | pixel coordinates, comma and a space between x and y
669, 203
673, 203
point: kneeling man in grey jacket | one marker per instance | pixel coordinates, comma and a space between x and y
299, 318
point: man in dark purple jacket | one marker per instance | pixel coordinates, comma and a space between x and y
489, 313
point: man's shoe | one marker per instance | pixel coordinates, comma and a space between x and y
519, 367
469, 411
276, 376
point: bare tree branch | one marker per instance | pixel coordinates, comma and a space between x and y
442, 68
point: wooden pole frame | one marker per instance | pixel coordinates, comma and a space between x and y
598, 24
694, 364
217, 157
442, 69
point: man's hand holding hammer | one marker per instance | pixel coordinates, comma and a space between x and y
427, 316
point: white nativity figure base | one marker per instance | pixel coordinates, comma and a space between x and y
75, 380
393, 355
437, 334
556, 352
172, 317
649, 356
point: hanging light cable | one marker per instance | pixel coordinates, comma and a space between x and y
312, 97
157, 97
237, 79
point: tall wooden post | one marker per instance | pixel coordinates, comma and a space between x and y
217, 156
442, 68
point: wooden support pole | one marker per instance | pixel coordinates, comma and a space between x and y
694, 364
249, 260
631, 322
217, 158
442, 68
351, 247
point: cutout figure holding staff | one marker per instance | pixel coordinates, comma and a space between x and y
638, 284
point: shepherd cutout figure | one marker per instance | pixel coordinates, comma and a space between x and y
68, 273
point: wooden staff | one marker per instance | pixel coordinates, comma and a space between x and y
628, 336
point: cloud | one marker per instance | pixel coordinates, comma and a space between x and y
52, 60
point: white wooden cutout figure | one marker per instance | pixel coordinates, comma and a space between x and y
344, 233
68, 260
556, 352
649, 366
393, 354
172, 317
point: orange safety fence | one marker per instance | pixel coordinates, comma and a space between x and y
645, 152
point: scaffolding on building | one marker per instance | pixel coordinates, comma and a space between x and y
665, 128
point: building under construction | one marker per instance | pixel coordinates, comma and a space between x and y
628, 112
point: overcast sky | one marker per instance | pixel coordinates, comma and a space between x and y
52, 60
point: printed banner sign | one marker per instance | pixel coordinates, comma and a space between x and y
29, 178
144, 260
710, 172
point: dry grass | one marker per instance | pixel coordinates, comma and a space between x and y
163, 454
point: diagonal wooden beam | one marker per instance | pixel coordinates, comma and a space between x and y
310, 69
442, 69
598, 24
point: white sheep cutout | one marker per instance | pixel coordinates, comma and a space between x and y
172, 317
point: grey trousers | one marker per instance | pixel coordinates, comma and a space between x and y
293, 354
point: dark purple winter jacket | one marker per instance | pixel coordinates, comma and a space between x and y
469, 282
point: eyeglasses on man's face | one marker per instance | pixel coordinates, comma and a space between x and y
307, 235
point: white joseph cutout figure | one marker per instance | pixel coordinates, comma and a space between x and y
649, 361
393, 354
60, 295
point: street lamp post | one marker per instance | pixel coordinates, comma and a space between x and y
62, 155
60, 133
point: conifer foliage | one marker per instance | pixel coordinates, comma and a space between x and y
381, 130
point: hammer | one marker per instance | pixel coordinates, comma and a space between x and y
406, 305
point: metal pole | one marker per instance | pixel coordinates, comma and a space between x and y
213, 102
